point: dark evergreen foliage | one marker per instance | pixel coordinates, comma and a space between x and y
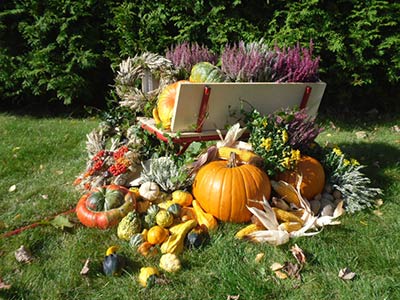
66, 50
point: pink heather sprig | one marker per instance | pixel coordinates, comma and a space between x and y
185, 55
241, 63
296, 64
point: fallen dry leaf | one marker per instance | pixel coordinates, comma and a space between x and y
45, 196
276, 266
3, 285
12, 188
379, 202
298, 253
259, 257
23, 255
59, 172
233, 297
378, 213
292, 270
85, 269
361, 134
281, 275
396, 128
346, 274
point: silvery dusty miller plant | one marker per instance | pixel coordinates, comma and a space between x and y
346, 177
166, 173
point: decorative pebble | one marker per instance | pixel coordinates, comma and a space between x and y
328, 188
328, 196
317, 197
337, 194
327, 210
315, 206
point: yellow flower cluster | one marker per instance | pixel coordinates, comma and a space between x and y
289, 161
346, 162
266, 143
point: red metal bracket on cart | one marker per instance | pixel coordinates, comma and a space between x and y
185, 138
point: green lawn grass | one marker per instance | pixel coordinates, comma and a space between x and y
42, 156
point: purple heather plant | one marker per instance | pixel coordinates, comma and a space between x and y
296, 64
302, 130
254, 62
185, 55
243, 63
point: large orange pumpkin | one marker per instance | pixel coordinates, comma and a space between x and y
165, 105
313, 176
225, 189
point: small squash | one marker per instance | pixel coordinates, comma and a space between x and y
204, 218
113, 263
170, 262
136, 240
157, 235
164, 218
149, 191
313, 181
175, 242
182, 198
175, 209
129, 225
147, 249
147, 276
197, 237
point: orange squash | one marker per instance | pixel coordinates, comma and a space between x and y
226, 189
313, 176
157, 235
165, 105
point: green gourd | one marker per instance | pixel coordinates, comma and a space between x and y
206, 72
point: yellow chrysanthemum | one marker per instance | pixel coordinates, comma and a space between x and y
286, 162
266, 143
295, 155
346, 162
354, 162
285, 136
337, 151
265, 123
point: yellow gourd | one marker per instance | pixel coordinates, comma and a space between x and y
147, 276
244, 156
175, 242
204, 218
183, 198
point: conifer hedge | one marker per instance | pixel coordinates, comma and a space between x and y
67, 50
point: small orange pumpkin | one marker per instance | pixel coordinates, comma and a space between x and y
313, 176
157, 235
165, 105
226, 189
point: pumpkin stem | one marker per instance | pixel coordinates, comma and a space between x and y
232, 160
